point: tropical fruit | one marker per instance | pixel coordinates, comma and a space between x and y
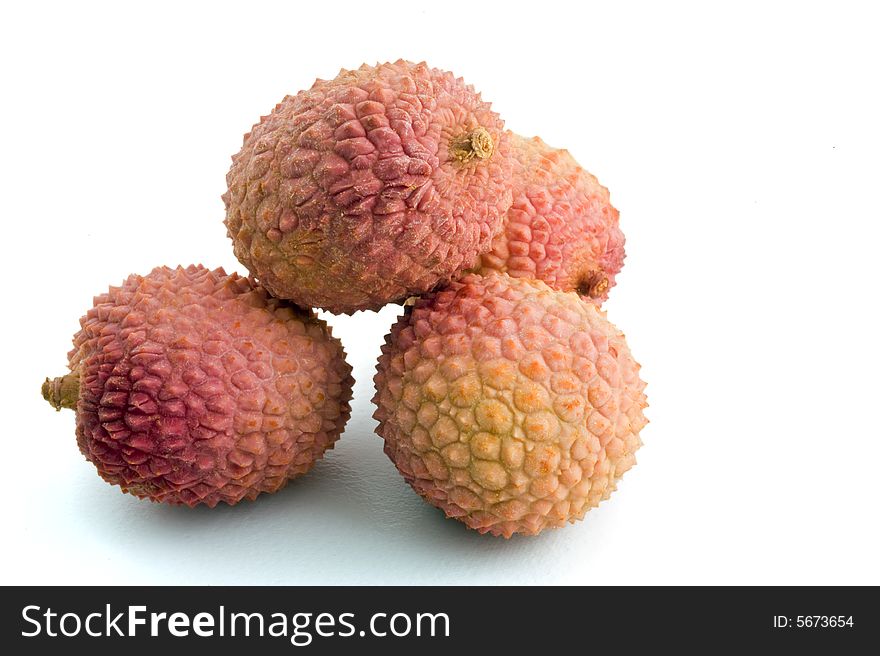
511, 406
193, 387
377, 185
561, 228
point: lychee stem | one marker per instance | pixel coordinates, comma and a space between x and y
594, 284
62, 392
476, 143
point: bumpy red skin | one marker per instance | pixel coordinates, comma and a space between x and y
561, 228
197, 387
348, 196
511, 406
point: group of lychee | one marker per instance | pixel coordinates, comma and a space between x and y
503, 394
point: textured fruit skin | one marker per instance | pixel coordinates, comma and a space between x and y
353, 194
561, 228
511, 406
197, 387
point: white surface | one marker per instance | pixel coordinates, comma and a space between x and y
741, 146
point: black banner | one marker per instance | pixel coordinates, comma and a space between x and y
435, 620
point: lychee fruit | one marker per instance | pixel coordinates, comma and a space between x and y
193, 387
561, 228
511, 406
366, 189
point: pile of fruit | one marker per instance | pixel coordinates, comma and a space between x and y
503, 394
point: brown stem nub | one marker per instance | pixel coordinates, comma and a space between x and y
594, 285
476, 143
62, 392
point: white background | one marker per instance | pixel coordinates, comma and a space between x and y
742, 147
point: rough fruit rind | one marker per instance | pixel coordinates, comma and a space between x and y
374, 186
196, 387
511, 406
561, 228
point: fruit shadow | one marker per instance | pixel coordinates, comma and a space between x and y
352, 520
